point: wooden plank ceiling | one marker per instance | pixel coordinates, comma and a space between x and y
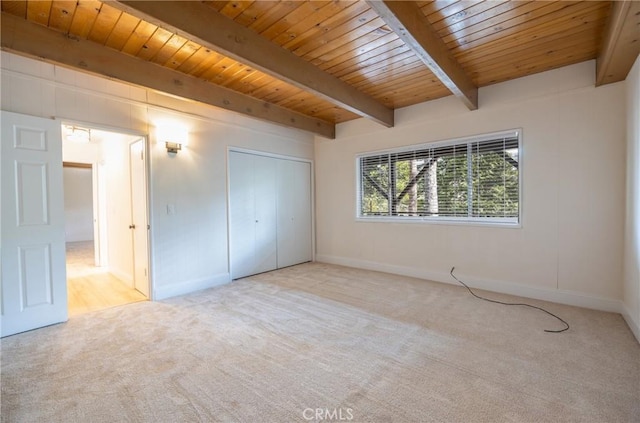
312, 64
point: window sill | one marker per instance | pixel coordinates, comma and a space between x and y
447, 221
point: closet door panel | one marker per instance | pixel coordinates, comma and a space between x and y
265, 186
241, 214
294, 212
270, 213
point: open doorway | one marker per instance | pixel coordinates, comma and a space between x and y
105, 218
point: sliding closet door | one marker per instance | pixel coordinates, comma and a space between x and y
264, 181
241, 214
294, 212
252, 220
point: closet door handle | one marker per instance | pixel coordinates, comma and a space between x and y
132, 226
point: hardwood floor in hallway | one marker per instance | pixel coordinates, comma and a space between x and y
91, 288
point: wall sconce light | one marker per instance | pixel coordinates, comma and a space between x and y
173, 147
77, 134
174, 135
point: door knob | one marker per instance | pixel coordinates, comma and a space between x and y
132, 226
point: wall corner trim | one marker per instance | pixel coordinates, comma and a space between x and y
187, 287
633, 325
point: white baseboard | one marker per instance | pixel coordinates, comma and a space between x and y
633, 325
182, 288
557, 296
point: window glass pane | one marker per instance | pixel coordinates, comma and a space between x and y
462, 180
406, 193
374, 185
452, 183
495, 180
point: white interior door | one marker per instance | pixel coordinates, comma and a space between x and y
252, 209
34, 290
265, 183
294, 213
139, 216
241, 214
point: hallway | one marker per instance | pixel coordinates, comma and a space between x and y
91, 288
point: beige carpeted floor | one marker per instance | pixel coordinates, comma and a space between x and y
318, 342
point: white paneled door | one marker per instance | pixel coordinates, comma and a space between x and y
269, 213
34, 290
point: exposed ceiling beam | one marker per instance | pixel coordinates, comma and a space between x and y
19, 35
407, 20
200, 23
621, 43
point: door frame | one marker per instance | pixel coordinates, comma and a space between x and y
148, 185
231, 148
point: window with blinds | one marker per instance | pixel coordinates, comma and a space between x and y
475, 179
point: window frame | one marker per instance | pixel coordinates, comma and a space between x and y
449, 220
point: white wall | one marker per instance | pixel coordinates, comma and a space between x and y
78, 152
193, 183
78, 204
87, 154
189, 248
569, 248
631, 293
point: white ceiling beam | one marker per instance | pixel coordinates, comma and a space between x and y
407, 20
24, 37
198, 22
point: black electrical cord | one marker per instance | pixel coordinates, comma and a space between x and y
513, 304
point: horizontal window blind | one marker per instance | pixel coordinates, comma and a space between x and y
461, 180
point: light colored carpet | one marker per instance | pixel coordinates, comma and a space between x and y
359, 345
